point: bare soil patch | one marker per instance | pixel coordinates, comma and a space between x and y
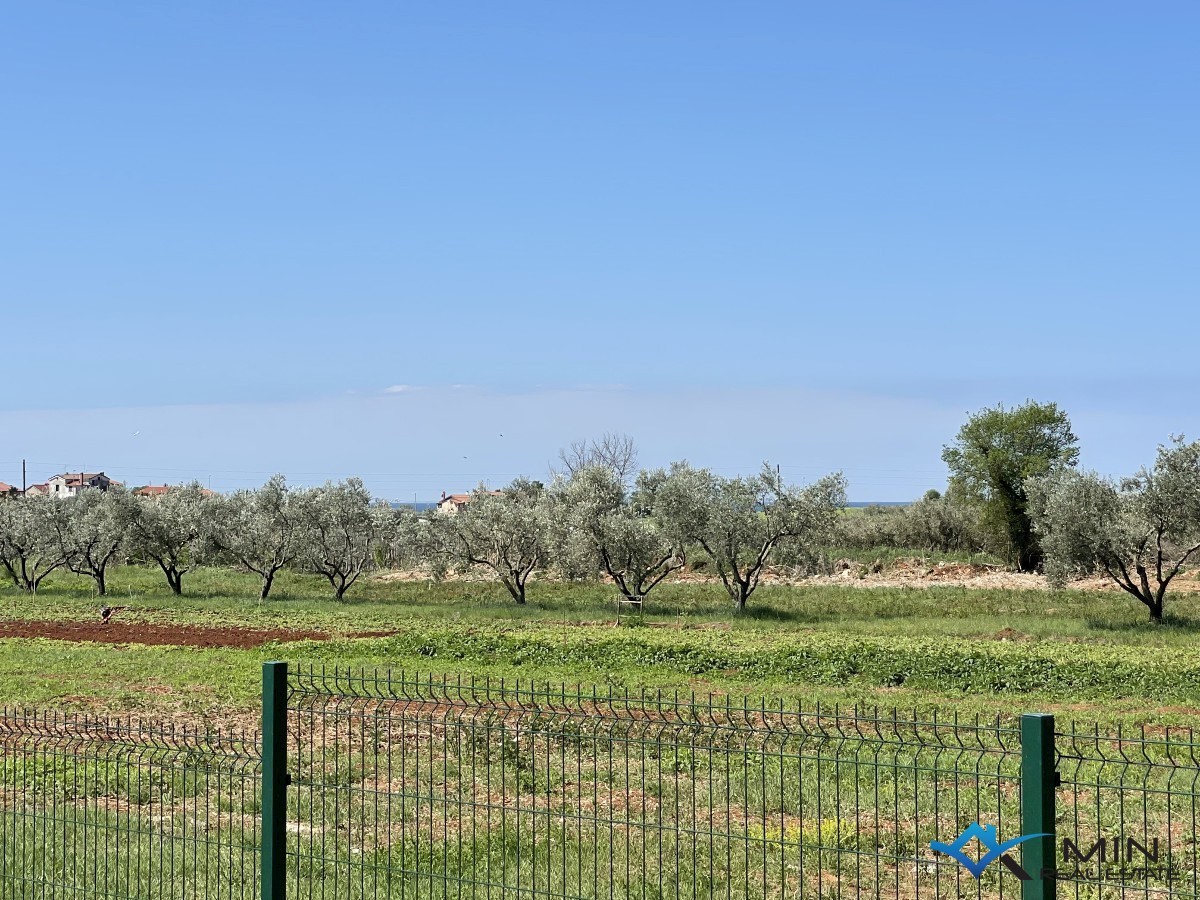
918, 573
162, 635
904, 572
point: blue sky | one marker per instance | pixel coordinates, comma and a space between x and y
818, 234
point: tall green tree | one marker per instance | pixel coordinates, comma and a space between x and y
992, 457
98, 524
33, 539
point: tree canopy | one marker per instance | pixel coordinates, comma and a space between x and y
740, 521
504, 531
1139, 533
600, 526
994, 454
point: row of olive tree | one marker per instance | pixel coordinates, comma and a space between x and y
588, 523
599, 519
336, 531
594, 523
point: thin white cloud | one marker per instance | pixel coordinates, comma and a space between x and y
400, 389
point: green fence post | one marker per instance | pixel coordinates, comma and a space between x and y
1038, 782
274, 780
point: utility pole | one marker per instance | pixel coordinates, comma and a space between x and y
23, 478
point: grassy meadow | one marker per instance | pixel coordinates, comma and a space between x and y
1084, 654
423, 801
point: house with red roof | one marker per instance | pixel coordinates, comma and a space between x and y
154, 491
450, 504
71, 483
158, 491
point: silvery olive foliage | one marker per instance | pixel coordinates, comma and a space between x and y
258, 529
172, 531
98, 523
33, 539
598, 525
507, 532
340, 528
739, 522
601, 522
401, 541
1139, 533
933, 524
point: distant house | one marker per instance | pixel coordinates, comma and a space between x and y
450, 504
35, 490
71, 483
158, 491
151, 490
7, 490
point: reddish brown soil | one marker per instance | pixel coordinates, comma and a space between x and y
118, 632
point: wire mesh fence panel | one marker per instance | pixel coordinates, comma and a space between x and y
95, 808
404, 786
433, 788
1127, 813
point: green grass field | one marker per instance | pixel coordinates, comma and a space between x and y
1087, 655
422, 801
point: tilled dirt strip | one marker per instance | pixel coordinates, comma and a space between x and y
119, 632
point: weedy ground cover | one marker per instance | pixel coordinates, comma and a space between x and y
422, 800
1083, 654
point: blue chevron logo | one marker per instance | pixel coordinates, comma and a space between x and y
990, 842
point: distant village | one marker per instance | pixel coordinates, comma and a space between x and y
68, 484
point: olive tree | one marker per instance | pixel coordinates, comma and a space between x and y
403, 541
340, 529
259, 529
33, 540
994, 455
505, 531
170, 529
98, 523
940, 524
599, 526
740, 521
1139, 533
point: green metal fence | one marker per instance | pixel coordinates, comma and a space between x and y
432, 788
1135, 786
382, 785
94, 807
